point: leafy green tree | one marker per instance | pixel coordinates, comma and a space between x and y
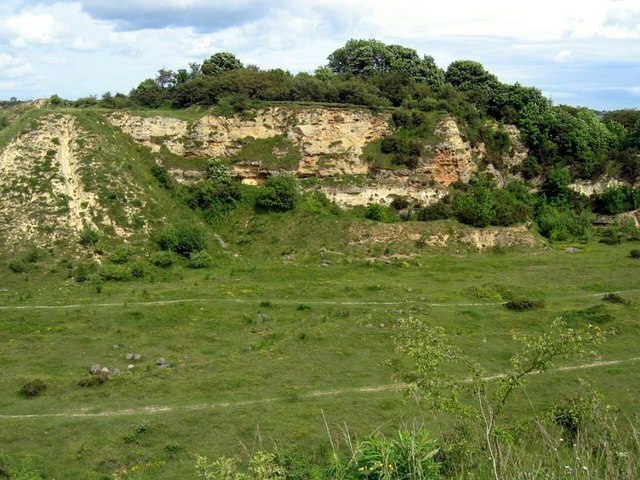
367, 58
220, 62
556, 185
148, 94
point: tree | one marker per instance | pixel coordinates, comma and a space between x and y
165, 78
148, 94
556, 185
220, 62
367, 58
470, 76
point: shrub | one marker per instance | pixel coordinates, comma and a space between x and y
138, 269
200, 259
162, 259
613, 298
635, 253
17, 265
93, 380
117, 273
183, 238
570, 414
521, 304
33, 388
375, 212
89, 236
120, 255
84, 271
279, 192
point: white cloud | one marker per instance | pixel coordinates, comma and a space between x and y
79, 43
634, 90
30, 28
563, 56
19, 71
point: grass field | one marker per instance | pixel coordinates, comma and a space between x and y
258, 350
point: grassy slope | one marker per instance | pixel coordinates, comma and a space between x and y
246, 338
293, 351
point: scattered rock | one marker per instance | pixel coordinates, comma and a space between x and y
130, 367
161, 362
247, 349
104, 370
137, 356
572, 249
115, 371
129, 356
95, 369
115, 346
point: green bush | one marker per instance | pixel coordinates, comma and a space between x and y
17, 265
375, 212
89, 236
614, 298
162, 259
120, 255
33, 388
521, 304
116, 273
139, 269
84, 271
94, 380
200, 259
279, 193
183, 238
635, 253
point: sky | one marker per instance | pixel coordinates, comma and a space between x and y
578, 52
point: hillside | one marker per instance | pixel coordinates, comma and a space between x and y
236, 273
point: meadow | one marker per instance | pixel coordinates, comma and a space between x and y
261, 353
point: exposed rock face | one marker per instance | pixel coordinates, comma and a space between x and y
384, 188
593, 188
40, 169
330, 140
55, 181
454, 158
423, 233
500, 237
519, 151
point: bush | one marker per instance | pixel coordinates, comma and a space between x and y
120, 255
162, 259
138, 269
279, 192
200, 260
635, 253
93, 380
89, 236
375, 212
33, 388
521, 304
613, 298
116, 273
183, 238
571, 414
17, 265
84, 271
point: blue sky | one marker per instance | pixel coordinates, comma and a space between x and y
578, 52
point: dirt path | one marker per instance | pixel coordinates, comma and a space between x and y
254, 300
160, 409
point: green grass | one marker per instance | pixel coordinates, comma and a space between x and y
272, 153
243, 338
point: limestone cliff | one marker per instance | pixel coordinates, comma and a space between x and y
329, 142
